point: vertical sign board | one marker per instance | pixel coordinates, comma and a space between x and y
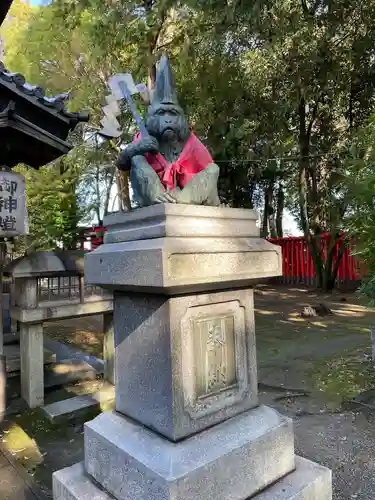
13, 213
13, 222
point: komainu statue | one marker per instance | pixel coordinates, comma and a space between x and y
170, 165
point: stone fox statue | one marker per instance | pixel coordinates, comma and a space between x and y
170, 165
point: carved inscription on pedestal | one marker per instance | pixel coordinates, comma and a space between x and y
216, 359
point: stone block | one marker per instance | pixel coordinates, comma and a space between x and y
3, 383
169, 220
13, 356
73, 484
309, 481
234, 459
32, 357
224, 251
79, 407
109, 348
182, 265
185, 363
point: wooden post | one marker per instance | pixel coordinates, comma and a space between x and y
109, 348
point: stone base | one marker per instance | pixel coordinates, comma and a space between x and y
234, 459
3, 378
309, 481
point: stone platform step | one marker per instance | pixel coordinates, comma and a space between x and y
309, 481
13, 361
11, 338
79, 406
68, 371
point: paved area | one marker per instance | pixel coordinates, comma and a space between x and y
12, 485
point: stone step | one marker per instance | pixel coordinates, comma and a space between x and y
11, 338
79, 406
309, 481
73, 484
68, 371
13, 361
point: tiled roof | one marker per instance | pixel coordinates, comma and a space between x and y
56, 103
4, 7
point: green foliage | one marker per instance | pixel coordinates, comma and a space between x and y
52, 207
40, 44
277, 90
360, 181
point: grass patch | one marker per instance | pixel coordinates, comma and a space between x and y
343, 377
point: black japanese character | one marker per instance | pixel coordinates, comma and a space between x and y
10, 203
8, 223
8, 186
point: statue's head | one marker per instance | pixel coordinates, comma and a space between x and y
165, 118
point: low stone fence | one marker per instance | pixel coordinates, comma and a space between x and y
49, 286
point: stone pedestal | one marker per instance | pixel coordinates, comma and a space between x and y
187, 424
109, 348
3, 383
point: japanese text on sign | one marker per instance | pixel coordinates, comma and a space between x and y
13, 214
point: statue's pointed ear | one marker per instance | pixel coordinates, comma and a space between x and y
164, 91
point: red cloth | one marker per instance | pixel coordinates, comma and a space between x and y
193, 159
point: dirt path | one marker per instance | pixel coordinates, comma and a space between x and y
326, 361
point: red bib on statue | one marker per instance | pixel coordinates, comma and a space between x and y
193, 159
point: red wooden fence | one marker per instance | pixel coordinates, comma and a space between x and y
298, 266
92, 237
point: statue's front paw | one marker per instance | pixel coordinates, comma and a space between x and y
145, 145
166, 197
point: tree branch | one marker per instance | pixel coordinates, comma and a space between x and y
313, 118
305, 7
339, 257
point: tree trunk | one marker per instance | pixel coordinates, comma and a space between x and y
332, 264
109, 183
313, 241
326, 272
272, 225
264, 231
280, 211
